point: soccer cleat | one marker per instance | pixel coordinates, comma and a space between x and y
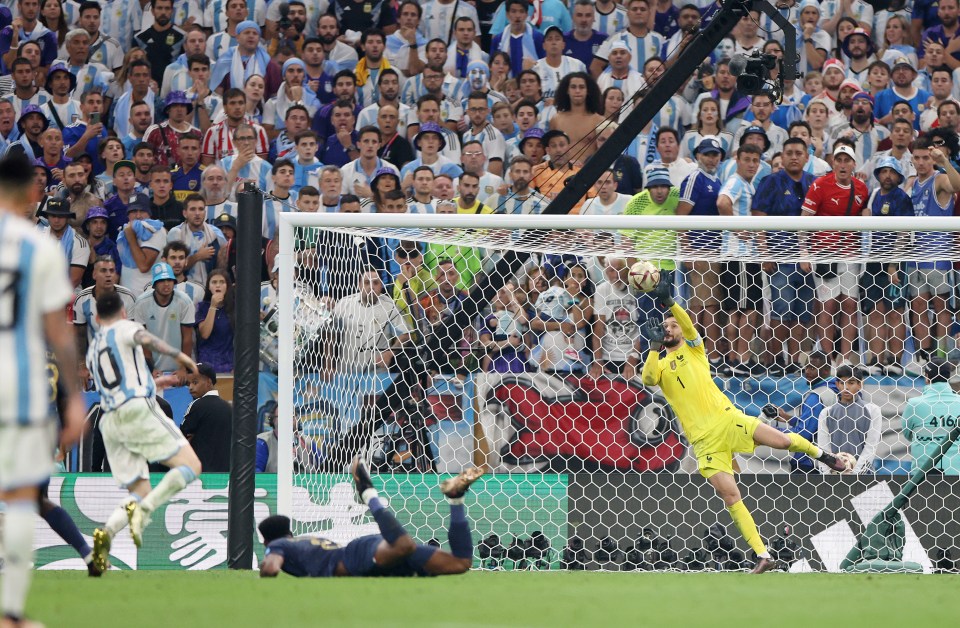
833, 462
138, 520
763, 565
101, 550
456, 487
93, 571
361, 477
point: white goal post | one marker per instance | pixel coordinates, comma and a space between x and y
596, 501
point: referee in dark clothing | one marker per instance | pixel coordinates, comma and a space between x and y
208, 424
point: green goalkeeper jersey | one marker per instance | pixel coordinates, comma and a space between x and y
664, 242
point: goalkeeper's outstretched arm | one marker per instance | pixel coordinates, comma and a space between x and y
685, 322
664, 294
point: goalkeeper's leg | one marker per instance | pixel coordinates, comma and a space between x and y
729, 492
766, 435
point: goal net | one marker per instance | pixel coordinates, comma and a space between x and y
429, 343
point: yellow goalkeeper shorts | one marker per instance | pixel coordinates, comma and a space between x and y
732, 433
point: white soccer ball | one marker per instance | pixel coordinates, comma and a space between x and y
849, 459
644, 276
555, 303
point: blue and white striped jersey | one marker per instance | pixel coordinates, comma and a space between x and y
641, 48
33, 282
195, 291
271, 211
741, 193
118, 366
121, 20
610, 23
550, 76
85, 308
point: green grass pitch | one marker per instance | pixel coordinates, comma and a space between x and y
238, 599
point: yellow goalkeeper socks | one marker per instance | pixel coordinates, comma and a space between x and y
801, 445
744, 520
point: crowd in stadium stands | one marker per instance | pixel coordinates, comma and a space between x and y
143, 118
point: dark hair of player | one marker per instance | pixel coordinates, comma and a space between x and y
274, 527
109, 305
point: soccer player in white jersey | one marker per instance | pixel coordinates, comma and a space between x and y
135, 432
34, 293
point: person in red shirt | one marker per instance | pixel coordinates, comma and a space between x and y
838, 193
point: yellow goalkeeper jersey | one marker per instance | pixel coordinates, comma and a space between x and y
684, 377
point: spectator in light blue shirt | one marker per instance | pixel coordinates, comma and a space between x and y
929, 418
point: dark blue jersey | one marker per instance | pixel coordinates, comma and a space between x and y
314, 557
307, 556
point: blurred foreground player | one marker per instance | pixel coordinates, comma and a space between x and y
34, 294
135, 431
711, 423
391, 553
56, 517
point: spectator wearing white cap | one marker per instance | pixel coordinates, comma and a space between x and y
903, 74
620, 74
833, 74
555, 65
814, 36
293, 91
232, 71
840, 114
838, 193
643, 42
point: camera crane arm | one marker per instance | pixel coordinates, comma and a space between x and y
687, 62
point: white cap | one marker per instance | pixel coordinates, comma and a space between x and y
620, 45
845, 150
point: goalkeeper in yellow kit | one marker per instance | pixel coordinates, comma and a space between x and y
711, 423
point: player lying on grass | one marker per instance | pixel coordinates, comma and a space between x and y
393, 552
711, 423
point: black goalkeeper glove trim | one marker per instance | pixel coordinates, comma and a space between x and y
664, 290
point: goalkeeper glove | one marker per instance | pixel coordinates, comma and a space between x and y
771, 411
664, 290
653, 332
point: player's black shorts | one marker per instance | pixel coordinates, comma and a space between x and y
358, 558
741, 286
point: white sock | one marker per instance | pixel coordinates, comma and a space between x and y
117, 520
18, 525
369, 494
764, 555
172, 483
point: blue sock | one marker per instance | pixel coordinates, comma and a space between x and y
375, 505
390, 528
60, 522
458, 532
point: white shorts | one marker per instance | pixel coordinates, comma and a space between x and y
26, 454
846, 283
929, 281
136, 434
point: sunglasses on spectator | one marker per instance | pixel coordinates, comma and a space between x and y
939, 142
405, 253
